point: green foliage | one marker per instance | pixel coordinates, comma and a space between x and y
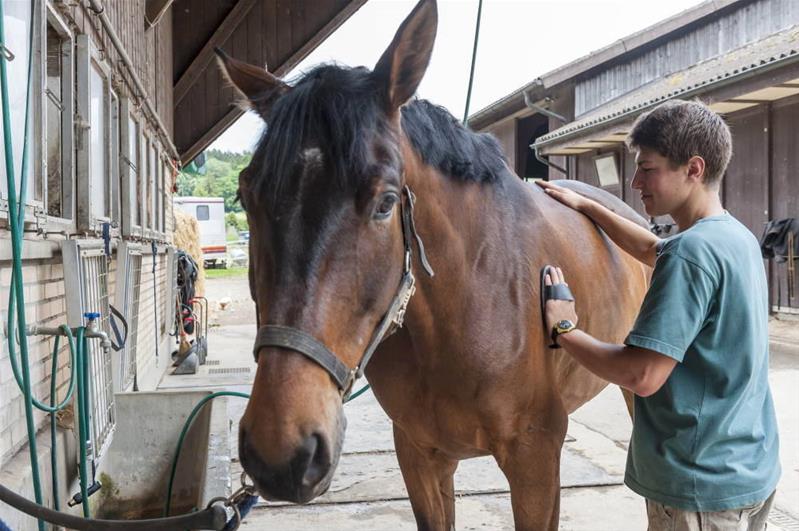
221, 179
238, 221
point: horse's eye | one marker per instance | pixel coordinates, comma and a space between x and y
385, 205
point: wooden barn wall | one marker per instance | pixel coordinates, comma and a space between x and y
745, 186
784, 186
506, 135
630, 196
761, 182
150, 50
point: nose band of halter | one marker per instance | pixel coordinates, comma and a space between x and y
299, 341
309, 346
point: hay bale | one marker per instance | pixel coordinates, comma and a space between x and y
187, 238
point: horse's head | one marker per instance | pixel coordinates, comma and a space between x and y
323, 196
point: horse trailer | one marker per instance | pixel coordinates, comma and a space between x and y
210, 214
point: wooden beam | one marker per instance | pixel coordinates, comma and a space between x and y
209, 136
318, 37
154, 10
281, 70
206, 54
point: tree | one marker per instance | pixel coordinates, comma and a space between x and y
221, 178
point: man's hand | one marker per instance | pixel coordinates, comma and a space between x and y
558, 310
568, 197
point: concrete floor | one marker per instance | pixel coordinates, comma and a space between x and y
368, 491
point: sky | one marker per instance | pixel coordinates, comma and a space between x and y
519, 41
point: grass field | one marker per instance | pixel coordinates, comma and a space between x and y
226, 273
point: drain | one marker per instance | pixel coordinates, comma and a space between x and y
229, 370
782, 519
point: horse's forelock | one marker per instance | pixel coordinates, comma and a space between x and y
338, 110
332, 108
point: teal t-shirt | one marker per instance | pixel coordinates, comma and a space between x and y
706, 440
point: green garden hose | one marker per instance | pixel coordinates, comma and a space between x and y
189, 421
16, 216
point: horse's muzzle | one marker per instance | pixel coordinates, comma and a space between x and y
304, 477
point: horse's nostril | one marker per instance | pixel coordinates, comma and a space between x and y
312, 462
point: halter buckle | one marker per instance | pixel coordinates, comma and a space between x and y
407, 293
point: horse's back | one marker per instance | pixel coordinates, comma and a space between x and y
604, 198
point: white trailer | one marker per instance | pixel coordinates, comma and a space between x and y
210, 213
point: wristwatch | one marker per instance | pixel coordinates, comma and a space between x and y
562, 327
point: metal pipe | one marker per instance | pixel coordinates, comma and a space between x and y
543, 110
474, 59
92, 332
99, 11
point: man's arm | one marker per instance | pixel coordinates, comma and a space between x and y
634, 239
640, 370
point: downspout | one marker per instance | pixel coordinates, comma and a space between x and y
550, 114
99, 10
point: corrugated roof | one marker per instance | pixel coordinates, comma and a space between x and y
777, 50
514, 101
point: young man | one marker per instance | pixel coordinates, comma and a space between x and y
704, 447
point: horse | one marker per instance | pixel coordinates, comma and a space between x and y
384, 231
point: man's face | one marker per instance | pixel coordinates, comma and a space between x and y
663, 187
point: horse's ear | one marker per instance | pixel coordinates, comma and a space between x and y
403, 64
260, 88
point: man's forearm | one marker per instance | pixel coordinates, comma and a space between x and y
603, 359
634, 239
642, 371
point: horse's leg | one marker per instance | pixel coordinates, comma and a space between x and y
531, 464
428, 478
629, 399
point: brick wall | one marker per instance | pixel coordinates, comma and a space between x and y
44, 305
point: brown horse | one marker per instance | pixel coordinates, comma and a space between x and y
332, 226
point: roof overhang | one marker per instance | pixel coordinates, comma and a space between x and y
561, 77
772, 66
278, 35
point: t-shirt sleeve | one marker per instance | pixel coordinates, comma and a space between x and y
675, 308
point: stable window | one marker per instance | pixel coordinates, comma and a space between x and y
130, 168
164, 195
144, 181
17, 21
94, 139
58, 111
98, 141
115, 156
157, 170
607, 172
152, 169
203, 213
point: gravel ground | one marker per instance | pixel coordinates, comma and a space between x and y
236, 289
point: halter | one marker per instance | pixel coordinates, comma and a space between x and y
307, 345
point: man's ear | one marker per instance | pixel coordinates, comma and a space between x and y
696, 168
402, 66
259, 88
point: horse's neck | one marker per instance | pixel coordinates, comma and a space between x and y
470, 230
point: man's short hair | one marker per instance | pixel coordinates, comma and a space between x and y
679, 130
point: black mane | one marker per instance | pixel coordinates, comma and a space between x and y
339, 110
444, 143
